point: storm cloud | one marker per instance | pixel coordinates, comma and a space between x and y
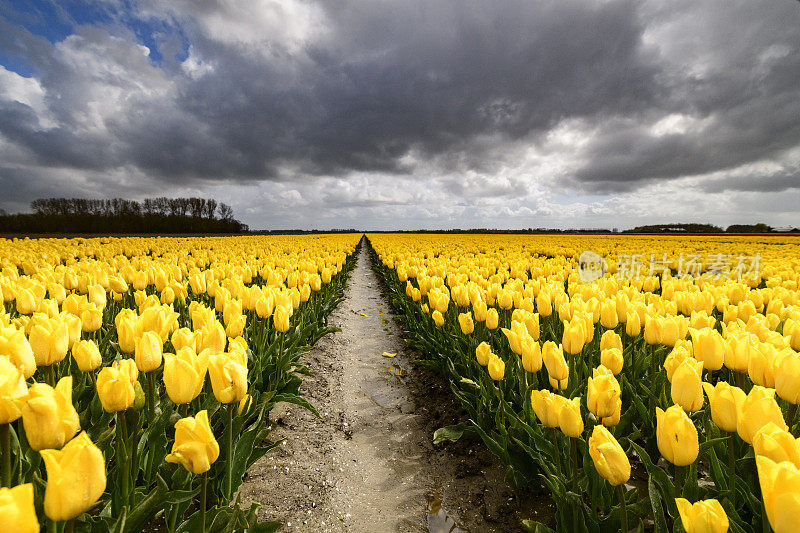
423, 113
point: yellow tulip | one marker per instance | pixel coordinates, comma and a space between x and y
228, 378
651, 330
126, 334
632, 324
438, 318
48, 416
610, 339
184, 374
761, 367
13, 391
87, 355
514, 340
725, 401
569, 418
195, 447
465, 321
574, 336
505, 300
480, 310
543, 304
149, 351
16, 347
280, 318
603, 393
482, 353
676, 436
777, 444
184, 338
531, 321
611, 358
115, 390
213, 337
757, 410
738, 352
780, 486
127, 367
608, 456
547, 407
497, 367
705, 516
492, 318
556, 365
17, 509
787, 378
531, 355
708, 347
687, 389
91, 319
49, 341
76, 478
236, 325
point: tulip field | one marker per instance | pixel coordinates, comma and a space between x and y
137, 374
661, 397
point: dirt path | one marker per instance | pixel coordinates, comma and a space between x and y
369, 464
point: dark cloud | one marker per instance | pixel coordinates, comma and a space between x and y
473, 95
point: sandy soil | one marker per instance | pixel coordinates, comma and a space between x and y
369, 464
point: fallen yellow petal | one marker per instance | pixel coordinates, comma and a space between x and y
387, 354
363, 314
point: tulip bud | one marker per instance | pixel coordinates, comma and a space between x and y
676, 436
777, 444
497, 367
787, 378
569, 418
531, 355
546, 406
757, 410
574, 337
87, 355
49, 341
492, 318
228, 378
557, 369
13, 391
687, 390
602, 393
611, 358
779, 483
608, 314
708, 347
76, 478
514, 341
280, 318
48, 416
438, 319
465, 321
115, 390
632, 324
17, 509
16, 347
706, 516
725, 401
195, 447
184, 374
608, 456
482, 353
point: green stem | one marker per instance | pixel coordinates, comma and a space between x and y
229, 451
135, 448
732, 468
623, 512
122, 466
557, 450
50, 375
69, 527
184, 410
678, 479
791, 412
151, 395
5, 449
52, 526
203, 485
575, 470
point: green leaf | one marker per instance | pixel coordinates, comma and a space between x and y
453, 433
659, 521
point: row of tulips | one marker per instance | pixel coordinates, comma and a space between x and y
128, 398
629, 412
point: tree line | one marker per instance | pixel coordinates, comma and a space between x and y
119, 215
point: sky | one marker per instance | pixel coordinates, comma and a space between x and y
409, 114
